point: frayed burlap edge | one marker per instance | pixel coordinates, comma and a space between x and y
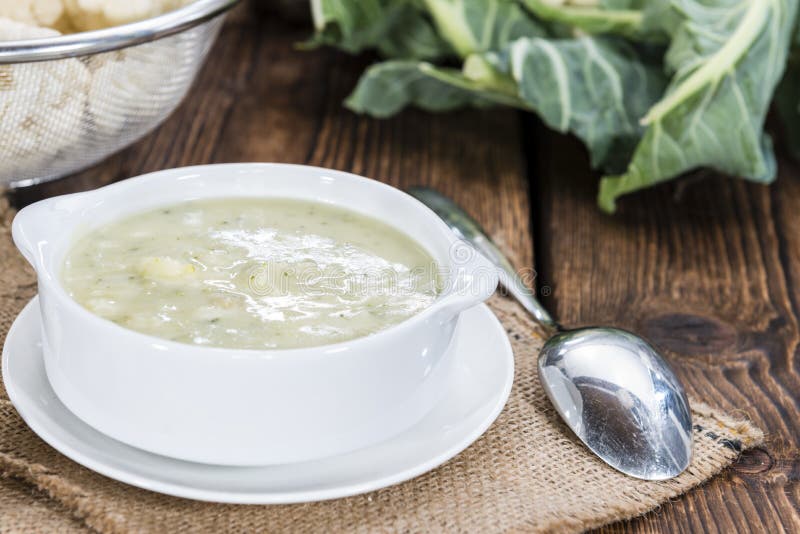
526, 474
733, 435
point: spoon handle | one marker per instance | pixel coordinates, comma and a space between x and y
470, 231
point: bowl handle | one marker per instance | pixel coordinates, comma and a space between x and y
34, 225
473, 280
26, 232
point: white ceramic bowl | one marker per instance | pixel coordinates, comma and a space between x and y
235, 406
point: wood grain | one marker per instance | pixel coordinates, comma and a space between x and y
708, 270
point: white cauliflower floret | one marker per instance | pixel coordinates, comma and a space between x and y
165, 268
14, 30
42, 105
96, 14
83, 15
49, 13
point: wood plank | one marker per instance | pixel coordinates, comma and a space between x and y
716, 269
708, 270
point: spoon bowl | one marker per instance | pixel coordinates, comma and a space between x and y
618, 395
611, 387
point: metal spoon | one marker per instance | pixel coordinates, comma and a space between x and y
611, 387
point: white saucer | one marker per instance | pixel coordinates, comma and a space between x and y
479, 389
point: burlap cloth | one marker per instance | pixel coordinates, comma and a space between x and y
527, 473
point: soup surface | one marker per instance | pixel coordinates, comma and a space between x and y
251, 273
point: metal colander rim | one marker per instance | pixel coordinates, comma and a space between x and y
105, 40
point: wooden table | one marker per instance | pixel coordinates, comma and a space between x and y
709, 269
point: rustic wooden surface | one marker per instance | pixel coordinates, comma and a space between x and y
708, 269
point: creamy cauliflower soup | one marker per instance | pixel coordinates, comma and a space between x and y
251, 273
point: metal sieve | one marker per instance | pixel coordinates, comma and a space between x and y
69, 101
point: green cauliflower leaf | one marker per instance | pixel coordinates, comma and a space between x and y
727, 57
